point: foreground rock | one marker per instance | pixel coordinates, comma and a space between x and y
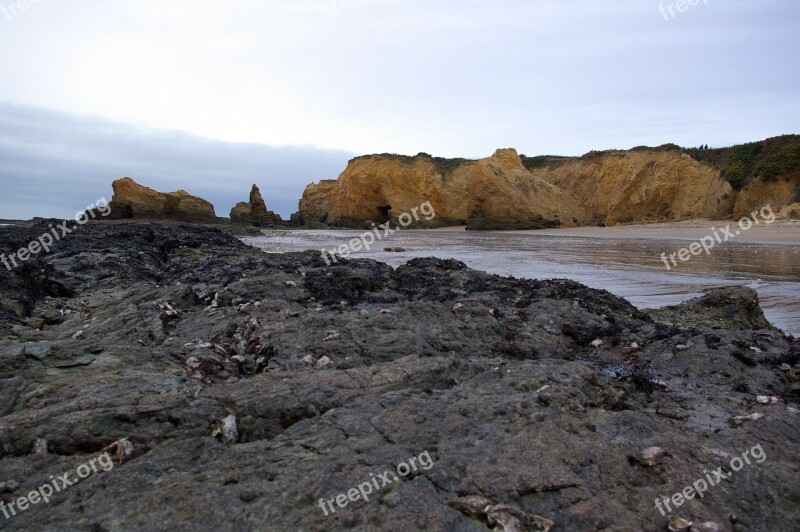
255, 212
237, 389
132, 200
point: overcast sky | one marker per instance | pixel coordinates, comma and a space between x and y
214, 95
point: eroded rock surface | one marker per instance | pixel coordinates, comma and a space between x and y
132, 200
507, 192
642, 186
494, 192
255, 212
199, 362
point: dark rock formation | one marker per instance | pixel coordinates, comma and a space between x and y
237, 389
255, 212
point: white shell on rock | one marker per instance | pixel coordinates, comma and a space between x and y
597, 343
220, 350
679, 524
752, 417
708, 526
324, 362
122, 449
40, 446
767, 400
227, 429
330, 335
650, 456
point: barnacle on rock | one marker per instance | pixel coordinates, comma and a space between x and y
40, 446
124, 450
650, 456
227, 430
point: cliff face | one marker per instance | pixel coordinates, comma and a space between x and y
500, 192
506, 191
642, 186
496, 191
778, 194
132, 200
314, 204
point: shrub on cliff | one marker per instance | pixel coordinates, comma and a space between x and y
770, 159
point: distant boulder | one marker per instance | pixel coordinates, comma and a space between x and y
255, 212
132, 200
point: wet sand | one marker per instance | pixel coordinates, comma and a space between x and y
625, 260
778, 232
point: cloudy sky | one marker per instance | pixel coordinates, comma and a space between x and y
214, 95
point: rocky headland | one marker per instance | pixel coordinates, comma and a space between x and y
509, 191
239, 389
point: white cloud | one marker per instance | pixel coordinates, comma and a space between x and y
54, 164
453, 78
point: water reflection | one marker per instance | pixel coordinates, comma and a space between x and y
630, 268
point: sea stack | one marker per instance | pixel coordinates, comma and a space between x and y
255, 212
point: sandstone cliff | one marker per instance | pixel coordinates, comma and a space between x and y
642, 186
255, 212
494, 192
314, 205
132, 200
506, 191
778, 194
500, 192
790, 212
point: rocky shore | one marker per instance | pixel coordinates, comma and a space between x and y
239, 390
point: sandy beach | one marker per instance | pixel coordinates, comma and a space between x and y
778, 232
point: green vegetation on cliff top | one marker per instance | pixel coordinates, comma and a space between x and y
771, 159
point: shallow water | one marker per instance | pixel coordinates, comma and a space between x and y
630, 268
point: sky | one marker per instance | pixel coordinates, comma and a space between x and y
212, 96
